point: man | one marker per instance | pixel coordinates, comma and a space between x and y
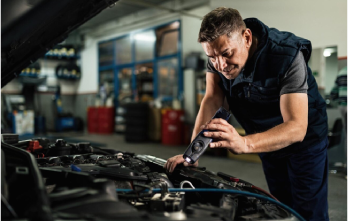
263, 76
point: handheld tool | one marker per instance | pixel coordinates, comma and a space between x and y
201, 142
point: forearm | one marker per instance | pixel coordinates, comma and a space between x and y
276, 138
207, 110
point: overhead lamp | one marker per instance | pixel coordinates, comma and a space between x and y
327, 53
145, 37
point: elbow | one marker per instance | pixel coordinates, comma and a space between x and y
296, 131
300, 132
301, 138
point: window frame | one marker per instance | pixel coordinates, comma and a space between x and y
155, 60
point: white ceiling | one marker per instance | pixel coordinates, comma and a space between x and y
126, 7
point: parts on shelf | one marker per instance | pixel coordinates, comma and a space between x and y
32, 75
32, 70
69, 71
63, 71
145, 85
62, 52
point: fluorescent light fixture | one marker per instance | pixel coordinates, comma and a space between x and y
145, 37
327, 53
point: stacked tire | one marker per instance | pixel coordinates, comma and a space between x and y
120, 120
136, 122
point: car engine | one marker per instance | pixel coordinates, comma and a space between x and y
45, 180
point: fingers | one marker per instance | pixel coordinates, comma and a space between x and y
216, 135
173, 165
217, 124
173, 162
219, 121
218, 144
186, 164
213, 127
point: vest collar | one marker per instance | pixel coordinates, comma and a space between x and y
260, 30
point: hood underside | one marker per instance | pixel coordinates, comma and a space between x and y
29, 28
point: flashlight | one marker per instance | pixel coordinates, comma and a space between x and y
201, 142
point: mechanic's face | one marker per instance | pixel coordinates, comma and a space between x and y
229, 54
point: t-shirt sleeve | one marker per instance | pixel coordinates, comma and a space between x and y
210, 67
295, 79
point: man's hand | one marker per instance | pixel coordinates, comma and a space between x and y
225, 136
174, 161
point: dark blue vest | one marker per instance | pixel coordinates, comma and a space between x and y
253, 96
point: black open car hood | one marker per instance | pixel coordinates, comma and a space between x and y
29, 28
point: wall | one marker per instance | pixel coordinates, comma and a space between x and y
89, 67
13, 87
323, 22
317, 64
45, 107
190, 96
190, 29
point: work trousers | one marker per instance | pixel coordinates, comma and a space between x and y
300, 180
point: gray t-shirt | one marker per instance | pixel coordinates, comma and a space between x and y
294, 80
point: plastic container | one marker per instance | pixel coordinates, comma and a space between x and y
173, 127
101, 120
92, 119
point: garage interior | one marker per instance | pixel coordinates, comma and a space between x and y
142, 57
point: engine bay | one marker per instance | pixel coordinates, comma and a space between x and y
56, 180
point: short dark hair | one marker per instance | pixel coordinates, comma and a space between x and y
219, 22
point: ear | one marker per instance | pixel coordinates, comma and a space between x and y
247, 37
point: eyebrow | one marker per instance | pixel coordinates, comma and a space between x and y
220, 53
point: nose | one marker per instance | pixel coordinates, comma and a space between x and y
221, 63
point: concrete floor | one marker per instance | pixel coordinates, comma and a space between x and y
251, 172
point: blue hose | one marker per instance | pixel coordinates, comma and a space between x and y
227, 191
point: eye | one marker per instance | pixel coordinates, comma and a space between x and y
227, 54
212, 59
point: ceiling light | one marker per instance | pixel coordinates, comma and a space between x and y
327, 53
144, 37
